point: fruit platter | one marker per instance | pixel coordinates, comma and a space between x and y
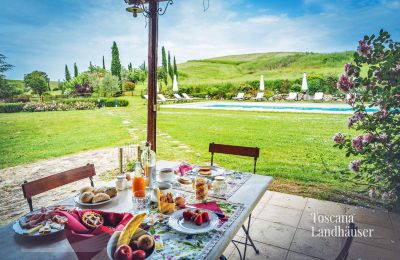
193, 222
42, 222
132, 243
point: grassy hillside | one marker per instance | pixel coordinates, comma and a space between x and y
20, 83
273, 65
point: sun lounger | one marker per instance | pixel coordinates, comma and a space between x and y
146, 97
163, 99
178, 97
240, 96
186, 96
292, 96
259, 97
319, 96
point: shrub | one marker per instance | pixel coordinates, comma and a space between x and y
111, 102
11, 107
129, 86
295, 88
57, 106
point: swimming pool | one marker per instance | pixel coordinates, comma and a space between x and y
271, 107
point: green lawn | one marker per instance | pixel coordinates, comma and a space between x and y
296, 149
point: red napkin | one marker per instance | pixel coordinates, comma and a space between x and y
183, 168
86, 242
210, 205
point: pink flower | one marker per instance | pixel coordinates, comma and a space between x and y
357, 143
363, 48
397, 95
383, 137
351, 98
385, 196
355, 165
368, 138
344, 83
339, 138
356, 117
383, 113
347, 67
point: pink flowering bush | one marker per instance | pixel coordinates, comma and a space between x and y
57, 106
373, 80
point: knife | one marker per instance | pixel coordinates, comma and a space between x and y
219, 214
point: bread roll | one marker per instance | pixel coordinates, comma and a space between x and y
111, 191
101, 189
99, 197
86, 197
87, 188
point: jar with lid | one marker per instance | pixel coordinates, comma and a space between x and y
219, 185
201, 188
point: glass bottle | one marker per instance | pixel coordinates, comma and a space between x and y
148, 160
139, 181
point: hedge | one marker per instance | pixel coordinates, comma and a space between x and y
11, 107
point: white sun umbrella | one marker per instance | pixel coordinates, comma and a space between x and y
262, 83
175, 85
304, 85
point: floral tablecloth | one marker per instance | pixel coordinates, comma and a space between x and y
171, 244
234, 181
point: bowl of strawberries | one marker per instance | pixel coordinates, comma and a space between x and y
190, 221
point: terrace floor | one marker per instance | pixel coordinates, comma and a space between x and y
282, 229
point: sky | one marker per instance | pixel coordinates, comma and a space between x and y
46, 34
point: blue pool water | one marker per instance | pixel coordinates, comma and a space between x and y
288, 107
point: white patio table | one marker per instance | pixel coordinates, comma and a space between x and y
13, 246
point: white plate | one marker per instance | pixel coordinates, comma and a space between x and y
78, 201
177, 222
22, 231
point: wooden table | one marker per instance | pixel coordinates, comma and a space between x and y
13, 246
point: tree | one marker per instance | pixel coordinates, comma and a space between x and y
170, 69
130, 66
377, 145
7, 90
4, 66
67, 74
104, 64
110, 85
36, 82
75, 70
175, 69
115, 61
164, 73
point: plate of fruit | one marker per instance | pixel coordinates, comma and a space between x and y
132, 243
193, 222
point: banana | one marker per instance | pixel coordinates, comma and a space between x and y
130, 229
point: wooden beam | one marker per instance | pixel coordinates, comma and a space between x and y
152, 77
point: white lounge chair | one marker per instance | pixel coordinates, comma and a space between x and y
146, 97
293, 96
178, 97
186, 96
163, 99
259, 97
319, 96
240, 96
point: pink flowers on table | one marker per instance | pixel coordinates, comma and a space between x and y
339, 138
363, 48
357, 143
344, 84
355, 165
356, 117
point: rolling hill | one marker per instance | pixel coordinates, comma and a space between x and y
273, 65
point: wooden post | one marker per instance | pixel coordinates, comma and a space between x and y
152, 77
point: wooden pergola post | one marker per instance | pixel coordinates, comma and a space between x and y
152, 76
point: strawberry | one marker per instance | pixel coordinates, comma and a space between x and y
198, 220
205, 216
187, 215
197, 211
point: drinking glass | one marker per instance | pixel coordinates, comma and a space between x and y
141, 201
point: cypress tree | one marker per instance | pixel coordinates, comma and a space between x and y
164, 66
67, 74
175, 68
75, 70
170, 70
130, 66
115, 61
90, 64
104, 64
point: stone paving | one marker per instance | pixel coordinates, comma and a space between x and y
282, 229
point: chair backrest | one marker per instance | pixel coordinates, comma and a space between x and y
161, 97
345, 250
292, 95
176, 95
319, 96
260, 95
36, 187
240, 95
186, 96
234, 150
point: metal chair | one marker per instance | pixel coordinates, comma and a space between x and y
241, 151
36, 187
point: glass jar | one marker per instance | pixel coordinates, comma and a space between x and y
120, 183
219, 185
201, 189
